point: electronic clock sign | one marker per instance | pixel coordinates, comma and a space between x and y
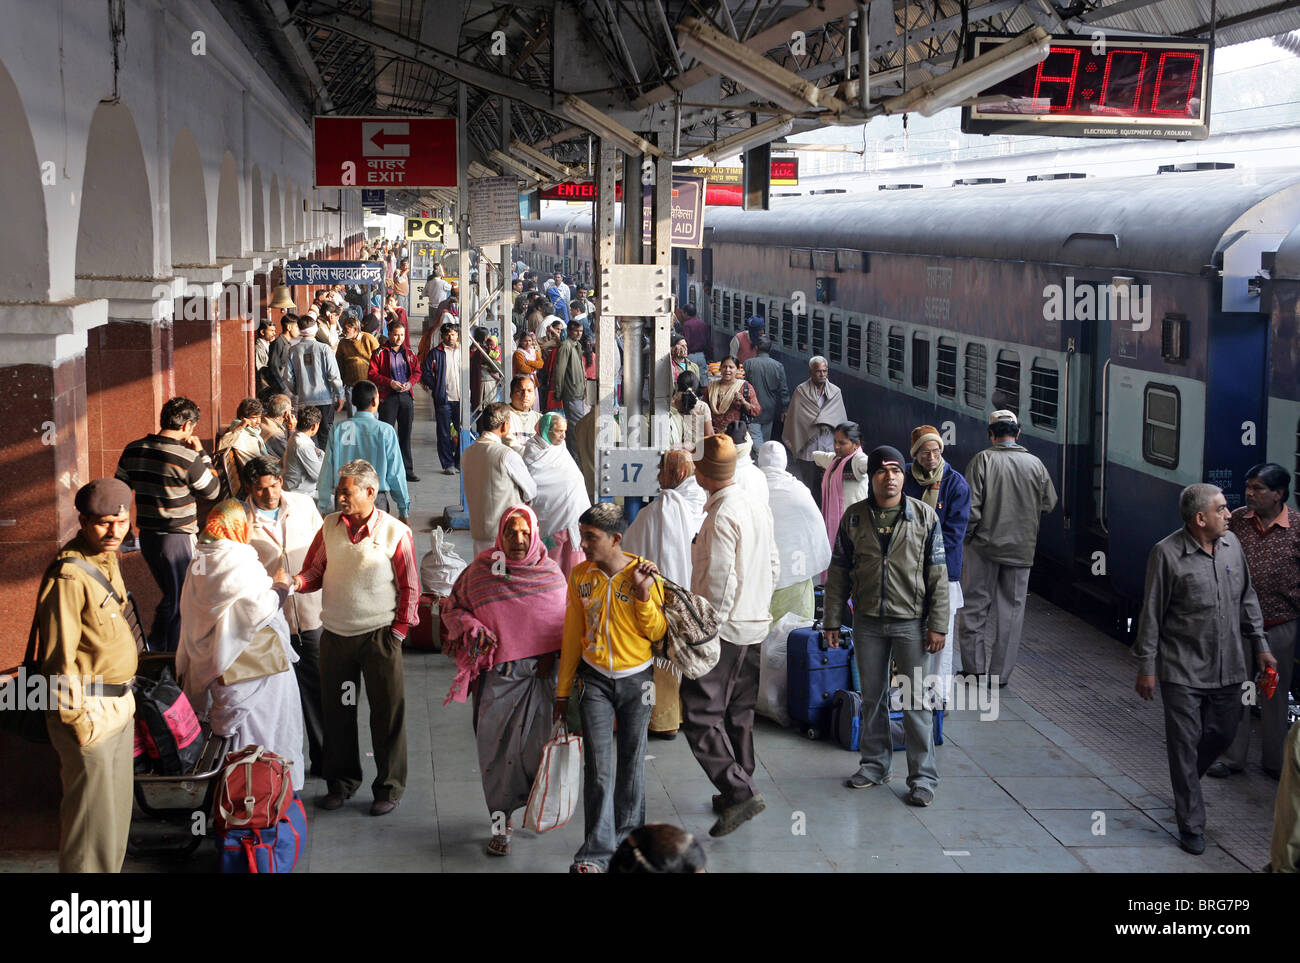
570, 191
1111, 87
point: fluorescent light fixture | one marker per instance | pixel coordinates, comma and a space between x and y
769, 130
529, 175
764, 77
482, 170
541, 161
966, 81
606, 128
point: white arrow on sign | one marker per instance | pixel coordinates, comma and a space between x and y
380, 139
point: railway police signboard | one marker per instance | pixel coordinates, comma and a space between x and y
406, 152
333, 272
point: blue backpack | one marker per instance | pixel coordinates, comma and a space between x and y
272, 850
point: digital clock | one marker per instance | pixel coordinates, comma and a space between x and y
1108, 87
570, 191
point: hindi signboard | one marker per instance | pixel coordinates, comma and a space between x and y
494, 210
406, 152
333, 272
687, 212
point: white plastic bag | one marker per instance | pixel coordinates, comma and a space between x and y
771, 668
441, 566
559, 779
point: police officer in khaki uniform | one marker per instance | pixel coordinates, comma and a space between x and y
89, 644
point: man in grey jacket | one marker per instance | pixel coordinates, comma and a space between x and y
1010, 491
767, 375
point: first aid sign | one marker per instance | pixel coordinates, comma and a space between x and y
392, 152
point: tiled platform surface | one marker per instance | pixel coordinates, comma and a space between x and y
1070, 777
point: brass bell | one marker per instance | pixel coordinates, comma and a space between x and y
280, 298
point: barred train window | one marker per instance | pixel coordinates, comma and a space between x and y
749, 310
724, 320
787, 327
717, 308
855, 346
761, 311
977, 364
945, 369
1160, 411
1044, 390
819, 332
920, 361
1006, 381
802, 336
736, 324
897, 351
836, 337
873, 347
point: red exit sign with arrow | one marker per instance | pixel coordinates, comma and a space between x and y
392, 152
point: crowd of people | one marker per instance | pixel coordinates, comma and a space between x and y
300, 583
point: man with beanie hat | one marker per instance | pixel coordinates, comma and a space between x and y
735, 565
932, 480
889, 551
89, 637
1010, 491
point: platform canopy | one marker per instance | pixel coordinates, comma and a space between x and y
549, 74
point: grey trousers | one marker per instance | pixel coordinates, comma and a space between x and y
1281, 642
990, 621
875, 641
718, 719
1199, 724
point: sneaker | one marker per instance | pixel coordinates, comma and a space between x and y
733, 817
1193, 843
449, 471
919, 796
860, 780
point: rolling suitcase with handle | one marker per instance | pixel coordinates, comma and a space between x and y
814, 673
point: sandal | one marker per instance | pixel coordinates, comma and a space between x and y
585, 867
499, 845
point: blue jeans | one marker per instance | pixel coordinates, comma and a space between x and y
759, 433
874, 641
613, 788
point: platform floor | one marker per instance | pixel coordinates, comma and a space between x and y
1024, 793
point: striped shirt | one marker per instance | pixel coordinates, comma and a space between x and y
166, 474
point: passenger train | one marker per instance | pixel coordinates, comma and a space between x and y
1143, 328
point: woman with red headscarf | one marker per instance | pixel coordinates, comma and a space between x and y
503, 624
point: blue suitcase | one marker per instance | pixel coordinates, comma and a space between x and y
270, 850
814, 672
896, 725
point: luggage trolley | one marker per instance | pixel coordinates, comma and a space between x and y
187, 793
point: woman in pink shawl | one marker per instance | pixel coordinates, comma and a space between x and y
503, 624
846, 479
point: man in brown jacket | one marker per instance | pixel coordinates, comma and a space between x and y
89, 642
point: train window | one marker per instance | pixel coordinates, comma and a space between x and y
749, 309
855, 346
873, 348
725, 317
801, 336
945, 368
1160, 409
787, 327
897, 353
819, 332
760, 310
1006, 381
1044, 390
920, 361
823, 260
736, 322
836, 336
801, 257
717, 308
977, 371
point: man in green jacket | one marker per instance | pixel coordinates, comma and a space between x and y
1010, 492
570, 378
889, 552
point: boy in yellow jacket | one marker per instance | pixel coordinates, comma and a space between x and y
615, 611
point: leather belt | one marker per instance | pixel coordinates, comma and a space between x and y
106, 690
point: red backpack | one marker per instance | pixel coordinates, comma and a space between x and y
255, 791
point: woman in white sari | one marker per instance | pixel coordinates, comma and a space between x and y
561, 490
800, 534
662, 532
234, 658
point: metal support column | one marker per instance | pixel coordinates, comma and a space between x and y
661, 381
603, 252
457, 514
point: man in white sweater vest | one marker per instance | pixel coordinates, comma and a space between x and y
496, 477
363, 562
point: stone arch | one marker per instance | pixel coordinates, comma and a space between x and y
275, 213
191, 242
115, 232
258, 236
24, 240
230, 222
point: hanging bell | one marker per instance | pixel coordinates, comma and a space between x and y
280, 298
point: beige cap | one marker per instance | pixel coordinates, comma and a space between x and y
1002, 414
